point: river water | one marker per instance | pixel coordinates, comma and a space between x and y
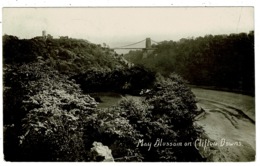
228, 119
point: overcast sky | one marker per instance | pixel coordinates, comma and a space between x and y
120, 26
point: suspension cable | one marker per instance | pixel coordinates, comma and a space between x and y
131, 44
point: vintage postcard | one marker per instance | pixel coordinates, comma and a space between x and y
114, 84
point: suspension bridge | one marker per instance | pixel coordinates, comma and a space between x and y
148, 45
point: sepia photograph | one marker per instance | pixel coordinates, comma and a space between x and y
128, 84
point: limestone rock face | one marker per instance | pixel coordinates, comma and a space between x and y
99, 152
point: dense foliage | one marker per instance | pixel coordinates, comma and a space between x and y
47, 117
124, 80
167, 112
49, 126
68, 56
221, 61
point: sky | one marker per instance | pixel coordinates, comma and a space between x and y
121, 26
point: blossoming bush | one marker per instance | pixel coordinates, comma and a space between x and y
52, 126
167, 113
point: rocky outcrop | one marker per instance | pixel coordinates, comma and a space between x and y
101, 153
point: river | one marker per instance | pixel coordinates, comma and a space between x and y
230, 118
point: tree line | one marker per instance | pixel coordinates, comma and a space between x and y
219, 61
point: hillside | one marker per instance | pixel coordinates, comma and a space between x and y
219, 62
66, 55
50, 116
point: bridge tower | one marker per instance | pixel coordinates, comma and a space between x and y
148, 43
148, 46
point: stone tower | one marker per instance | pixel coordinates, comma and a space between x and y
44, 34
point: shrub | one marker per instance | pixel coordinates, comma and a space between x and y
51, 128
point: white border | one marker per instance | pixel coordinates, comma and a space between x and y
80, 3
136, 3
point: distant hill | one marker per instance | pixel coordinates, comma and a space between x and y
65, 55
220, 61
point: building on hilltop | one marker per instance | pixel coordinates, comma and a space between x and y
44, 36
